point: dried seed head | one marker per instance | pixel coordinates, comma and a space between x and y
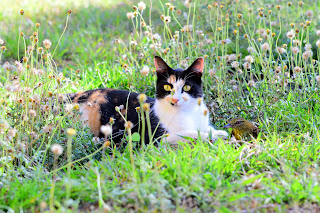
71, 132
106, 130
57, 149
142, 98
146, 107
128, 125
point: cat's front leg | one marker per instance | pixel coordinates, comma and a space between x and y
181, 136
215, 134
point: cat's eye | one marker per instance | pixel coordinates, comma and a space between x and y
186, 88
167, 87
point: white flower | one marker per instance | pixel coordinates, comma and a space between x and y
307, 47
247, 65
296, 42
57, 149
318, 32
265, 47
47, 43
125, 57
309, 13
130, 15
290, 34
318, 79
167, 19
156, 36
273, 23
212, 72
295, 50
235, 64
106, 130
133, 43
141, 5
1, 41
250, 49
249, 59
297, 69
251, 83
281, 50
318, 43
187, 3
145, 70
307, 54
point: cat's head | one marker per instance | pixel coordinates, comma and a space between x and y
178, 87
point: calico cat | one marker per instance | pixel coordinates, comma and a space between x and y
177, 111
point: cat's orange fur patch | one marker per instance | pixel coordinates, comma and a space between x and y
172, 79
91, 114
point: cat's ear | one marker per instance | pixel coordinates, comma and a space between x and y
160, 65
197, 66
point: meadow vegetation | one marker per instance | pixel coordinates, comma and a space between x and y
261, 63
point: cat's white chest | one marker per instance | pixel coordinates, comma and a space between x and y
176, 119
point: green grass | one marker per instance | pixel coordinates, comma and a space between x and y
278, 171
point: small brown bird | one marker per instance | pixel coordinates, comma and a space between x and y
242, 129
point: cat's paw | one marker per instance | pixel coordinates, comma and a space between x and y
216, 134
220, 133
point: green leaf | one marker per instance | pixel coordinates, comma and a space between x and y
136, 137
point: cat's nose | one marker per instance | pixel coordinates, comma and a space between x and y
174, 101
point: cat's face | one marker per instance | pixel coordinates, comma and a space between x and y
178, 87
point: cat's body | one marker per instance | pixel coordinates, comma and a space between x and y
178, 109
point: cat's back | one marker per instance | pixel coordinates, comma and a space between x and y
99, 105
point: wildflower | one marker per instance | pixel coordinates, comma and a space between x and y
145, 70
167, 19
212, 72
171, 8
318, 43
106, 130
307, 54
318, 79
32, 113
247, 65
57, 149
250, 49
47, 43
281, 50
235, 87
296, 42
125, 57
309, 13
239, 71
232, 82
297, 69
265, 47
128, 125
141, 6
251, 83
273, 23
295, 50
249, 59
187, 28
3, 48
1, 41
187, 3
21, 12
142, 97
300, 3
133, 43
290, 34
146, 107
307, 47
130, 15
235, 64
156, 36
71, 132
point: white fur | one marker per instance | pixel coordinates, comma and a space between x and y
186, 118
